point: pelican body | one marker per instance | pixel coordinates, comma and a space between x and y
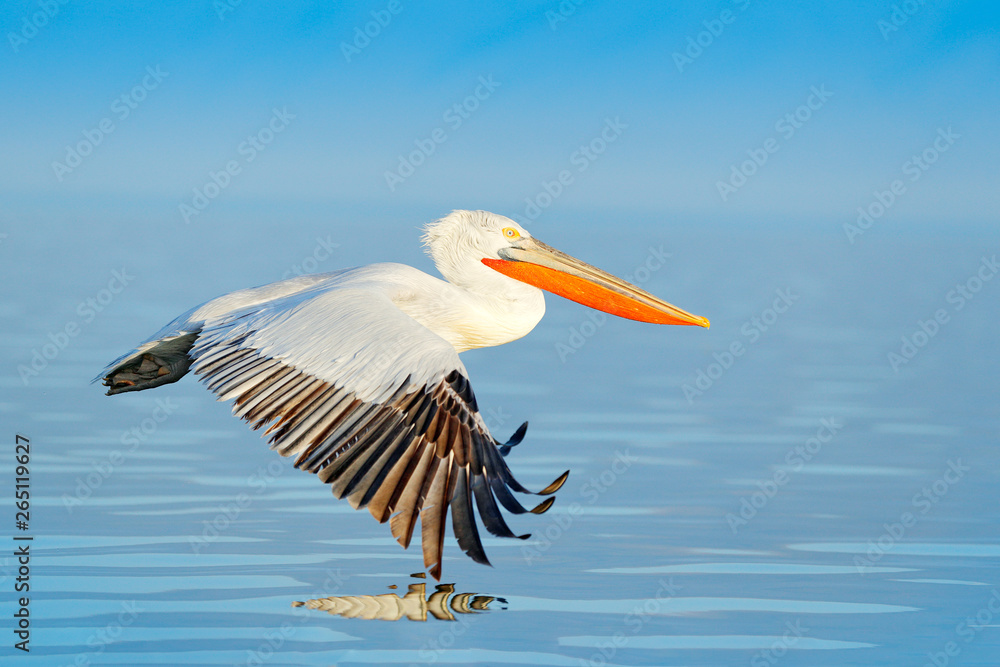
356, 372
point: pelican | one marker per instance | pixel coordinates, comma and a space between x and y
356, 372
414, 606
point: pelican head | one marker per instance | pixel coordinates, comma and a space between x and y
465, 242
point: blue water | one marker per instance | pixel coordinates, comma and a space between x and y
806, 504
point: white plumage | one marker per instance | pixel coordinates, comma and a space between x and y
356, 372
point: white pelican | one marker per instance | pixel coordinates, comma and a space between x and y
416, 605
357, 371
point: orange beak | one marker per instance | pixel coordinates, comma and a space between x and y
535, 263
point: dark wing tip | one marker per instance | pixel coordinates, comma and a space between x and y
518, 434
543, 507
514, 440
555, 485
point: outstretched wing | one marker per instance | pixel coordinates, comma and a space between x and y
374, 403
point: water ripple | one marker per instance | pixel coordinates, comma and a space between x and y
730, 642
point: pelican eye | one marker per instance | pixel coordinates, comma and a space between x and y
510, 232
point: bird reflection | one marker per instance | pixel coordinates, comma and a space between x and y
442, 604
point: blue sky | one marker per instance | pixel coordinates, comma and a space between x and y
559, 73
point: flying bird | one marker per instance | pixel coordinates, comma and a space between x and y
356, 372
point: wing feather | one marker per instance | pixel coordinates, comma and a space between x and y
412, 499
432, 517
298, 433
372, 402
489, 511
250, 402
463, 521
261, 377
368, 485
388, 492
